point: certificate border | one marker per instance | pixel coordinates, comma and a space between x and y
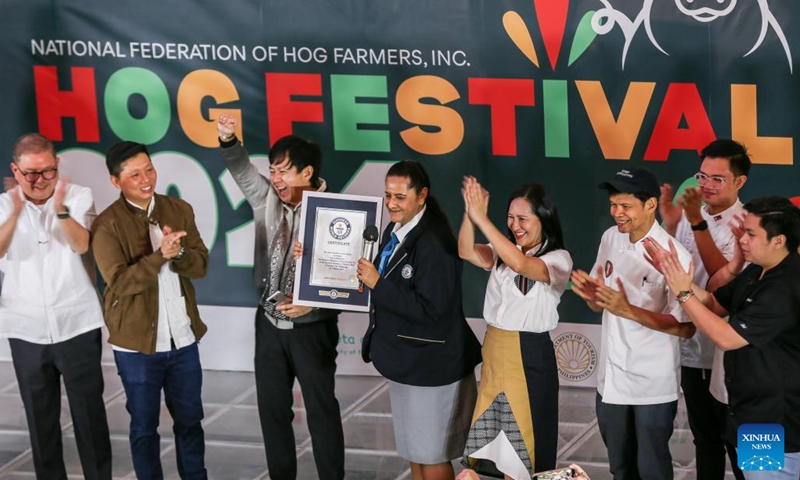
304, 293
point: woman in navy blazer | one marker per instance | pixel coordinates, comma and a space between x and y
418, 337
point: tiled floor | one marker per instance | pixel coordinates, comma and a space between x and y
233, 437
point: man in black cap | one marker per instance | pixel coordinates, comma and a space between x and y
639, 368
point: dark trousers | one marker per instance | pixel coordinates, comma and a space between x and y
721, 411
308, 353
38, 368
707, 425
178, 373
637, 439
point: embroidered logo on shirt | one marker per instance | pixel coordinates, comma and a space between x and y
743, 325
407, 271
609, 268
717, 218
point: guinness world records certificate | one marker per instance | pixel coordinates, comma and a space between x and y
332, 233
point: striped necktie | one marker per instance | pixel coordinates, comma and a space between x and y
524, 284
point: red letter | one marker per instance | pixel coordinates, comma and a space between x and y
681, 101
502, 95
53, 104
282, 111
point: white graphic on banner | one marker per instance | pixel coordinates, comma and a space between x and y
606, 18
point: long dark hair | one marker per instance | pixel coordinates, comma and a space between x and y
544, 207
418, 179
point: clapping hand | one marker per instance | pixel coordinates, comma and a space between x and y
586, 286
692, 201
668, 263
670, 212
171, 243
10, 184
476, 199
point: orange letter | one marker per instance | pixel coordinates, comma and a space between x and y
194, 88
447, 120
616, 137
744, 128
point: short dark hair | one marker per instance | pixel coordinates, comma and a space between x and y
302, 153
641, 196
544, 207
32, 143
778, 216
121, 153
735, 152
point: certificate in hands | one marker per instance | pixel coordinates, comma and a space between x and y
332, 233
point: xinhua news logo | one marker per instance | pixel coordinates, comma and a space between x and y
760, 447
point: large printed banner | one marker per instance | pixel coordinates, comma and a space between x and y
560, 92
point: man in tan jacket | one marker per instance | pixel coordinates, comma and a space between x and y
148, 249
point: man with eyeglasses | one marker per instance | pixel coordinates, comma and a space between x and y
705, 232
50, 311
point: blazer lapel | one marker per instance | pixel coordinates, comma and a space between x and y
401, 252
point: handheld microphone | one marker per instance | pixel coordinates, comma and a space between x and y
371, 235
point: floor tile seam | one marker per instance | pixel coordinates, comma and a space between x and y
66, 429
578, 440
347, 414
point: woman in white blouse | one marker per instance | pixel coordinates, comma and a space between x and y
515, 423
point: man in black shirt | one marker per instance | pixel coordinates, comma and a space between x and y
762, 340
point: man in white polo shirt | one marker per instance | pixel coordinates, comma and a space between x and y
638, 375
50, 311
705, 232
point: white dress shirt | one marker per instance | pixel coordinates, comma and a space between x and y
698, 351
173, 321
48, 294
506, 308
638, 365
402, 231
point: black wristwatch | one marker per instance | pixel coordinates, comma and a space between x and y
181, 253
700, 226
63, 215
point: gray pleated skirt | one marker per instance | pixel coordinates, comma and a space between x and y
431, 424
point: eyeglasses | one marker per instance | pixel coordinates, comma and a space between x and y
716, 181
47, 174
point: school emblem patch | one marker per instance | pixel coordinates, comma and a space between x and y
407, 271
609, 268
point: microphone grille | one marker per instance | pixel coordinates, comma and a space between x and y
371, 233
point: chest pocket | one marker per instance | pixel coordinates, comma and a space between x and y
644, 292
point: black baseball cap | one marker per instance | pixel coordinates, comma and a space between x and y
633, 180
